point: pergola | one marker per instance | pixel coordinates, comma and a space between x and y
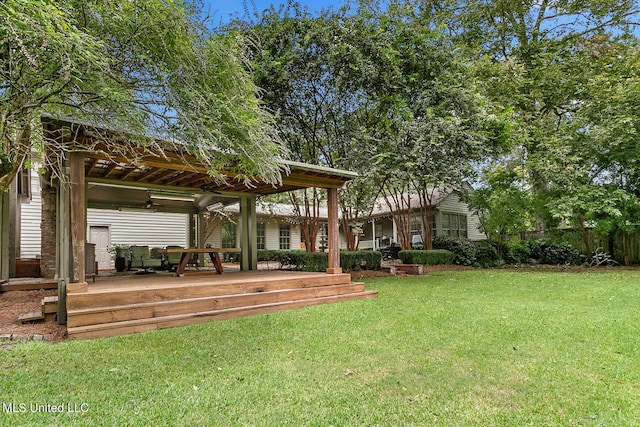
96, 175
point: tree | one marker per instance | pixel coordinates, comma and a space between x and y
442, 125
148, 67
314, 71
591, 162
502, 204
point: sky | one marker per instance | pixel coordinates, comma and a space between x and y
222, 9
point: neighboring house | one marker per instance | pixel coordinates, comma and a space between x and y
449, 216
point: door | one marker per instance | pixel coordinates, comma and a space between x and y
100, 236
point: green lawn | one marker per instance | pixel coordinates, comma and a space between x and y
464, 348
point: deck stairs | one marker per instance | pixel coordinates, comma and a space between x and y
119, 309
47, 311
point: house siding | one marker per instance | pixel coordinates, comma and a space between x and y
30, 220
153, 229
135, 228
452, 204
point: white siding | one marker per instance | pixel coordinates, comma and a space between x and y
155, 229
135, 228
31, 217
452, 204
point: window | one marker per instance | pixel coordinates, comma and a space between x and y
285, 236
454, 225
261, 235
324, 237
228, 235
416, 229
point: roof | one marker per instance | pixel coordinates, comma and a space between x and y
381, 205
176, 171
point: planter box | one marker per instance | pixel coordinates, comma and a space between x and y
410, 269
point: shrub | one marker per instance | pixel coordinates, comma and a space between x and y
319, 261
301, 260
517, 252
486, 254
268, 255
546, 252
432, 257
464, 249
360, 260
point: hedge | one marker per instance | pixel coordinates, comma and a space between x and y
360, 260
319, 261
432, 257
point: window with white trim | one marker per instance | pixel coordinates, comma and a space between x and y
454, 225
285, 236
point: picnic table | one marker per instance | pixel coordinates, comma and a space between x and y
214, 254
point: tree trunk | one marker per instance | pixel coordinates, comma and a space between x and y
585, 235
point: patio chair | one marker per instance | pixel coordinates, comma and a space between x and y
140, 258
173, 259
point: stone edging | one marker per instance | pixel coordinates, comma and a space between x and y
26, 337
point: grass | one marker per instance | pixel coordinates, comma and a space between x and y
472, 348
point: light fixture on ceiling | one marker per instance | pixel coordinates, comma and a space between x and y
171, 196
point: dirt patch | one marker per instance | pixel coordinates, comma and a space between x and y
13, 304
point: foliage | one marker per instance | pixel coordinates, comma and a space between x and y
544, 251
427, 257
360, 260
465, 251
296, 259
502, 205
516, 252
318, 261
486, 254
150, 67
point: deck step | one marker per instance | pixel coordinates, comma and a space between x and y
25, 285
185, 289
153, 309
50, 304
33, 316
168, 321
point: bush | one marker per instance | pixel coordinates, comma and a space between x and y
301, 260
517, 252
267, 255
432, 257
464, 249
360, 260
486, 254
319, 261
546, 252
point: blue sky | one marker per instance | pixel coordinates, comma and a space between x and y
221, 9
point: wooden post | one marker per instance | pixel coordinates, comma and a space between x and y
373, 235
333, 231
14, 225
248, 235
77, 216
63, 252
200, 237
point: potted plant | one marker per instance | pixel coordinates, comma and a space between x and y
121, 254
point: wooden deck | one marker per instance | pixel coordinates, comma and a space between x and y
129, 304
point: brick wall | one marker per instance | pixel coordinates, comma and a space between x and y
48, 232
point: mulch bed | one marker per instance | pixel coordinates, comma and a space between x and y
16, 303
